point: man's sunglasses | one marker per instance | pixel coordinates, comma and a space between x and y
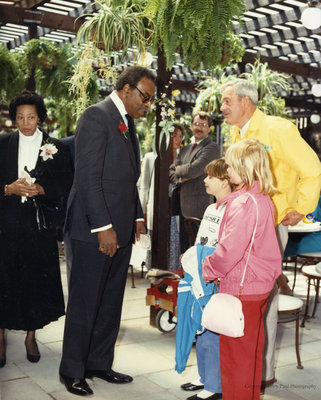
145, 97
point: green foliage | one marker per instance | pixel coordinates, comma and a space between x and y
82, 78
53, 66
200, 30
11, 77
209, 98
146, 128
61, 116
269, 83
117, 26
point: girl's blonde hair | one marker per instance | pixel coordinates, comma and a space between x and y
250, 161
218, 169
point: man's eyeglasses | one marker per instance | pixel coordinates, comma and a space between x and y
146, 98
203, 124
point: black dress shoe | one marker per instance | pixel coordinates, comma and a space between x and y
34, 358
3, 359
190, 387
110, 376
214, 396
76, 385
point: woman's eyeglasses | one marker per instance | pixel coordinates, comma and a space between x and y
145, 97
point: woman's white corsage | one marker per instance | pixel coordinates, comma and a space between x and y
47, 151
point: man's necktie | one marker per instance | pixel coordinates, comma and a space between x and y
193, 147
132, 134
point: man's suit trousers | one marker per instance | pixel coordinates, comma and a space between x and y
96, 289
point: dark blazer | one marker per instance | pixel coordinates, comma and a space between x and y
191, 164
54, 175
106, 172
69, 141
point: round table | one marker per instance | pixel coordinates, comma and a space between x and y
305, 228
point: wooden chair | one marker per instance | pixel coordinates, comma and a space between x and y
191, 225
289, 308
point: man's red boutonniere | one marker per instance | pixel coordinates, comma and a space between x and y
123, 128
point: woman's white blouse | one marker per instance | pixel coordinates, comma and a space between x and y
28, 152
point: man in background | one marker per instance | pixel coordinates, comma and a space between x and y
188, 169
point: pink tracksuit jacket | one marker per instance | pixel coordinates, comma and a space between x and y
228, 261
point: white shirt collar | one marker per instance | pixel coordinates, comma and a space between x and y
245, 128
200, 141
119, 104
35, 138
28, 151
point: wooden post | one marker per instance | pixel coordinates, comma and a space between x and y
161, 217
32, 34
160, 241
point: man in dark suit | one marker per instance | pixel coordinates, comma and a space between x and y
103, 214
188, 169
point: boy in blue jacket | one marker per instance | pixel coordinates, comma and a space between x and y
193, 293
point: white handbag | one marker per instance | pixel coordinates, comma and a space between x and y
223, 313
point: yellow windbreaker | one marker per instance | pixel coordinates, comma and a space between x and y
295, 166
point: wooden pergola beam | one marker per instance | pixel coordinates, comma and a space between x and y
288, 67
22, 16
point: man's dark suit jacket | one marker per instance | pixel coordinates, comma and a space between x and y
190, 164
106, 172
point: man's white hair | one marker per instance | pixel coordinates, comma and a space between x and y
243, 88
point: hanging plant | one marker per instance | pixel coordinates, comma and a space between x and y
39, 54
117, 26
232, 50
11, 77
82, 76
197, 29
53, 67
209, 98
269, 84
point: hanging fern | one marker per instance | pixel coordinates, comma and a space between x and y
198, 29
53, 66
11, 77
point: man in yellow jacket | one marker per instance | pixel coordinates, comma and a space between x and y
297, 173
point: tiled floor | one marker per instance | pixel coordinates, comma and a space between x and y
147, 354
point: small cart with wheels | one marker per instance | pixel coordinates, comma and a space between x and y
163, 296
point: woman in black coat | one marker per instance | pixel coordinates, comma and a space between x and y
35, 176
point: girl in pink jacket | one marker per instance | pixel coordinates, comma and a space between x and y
241, 358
